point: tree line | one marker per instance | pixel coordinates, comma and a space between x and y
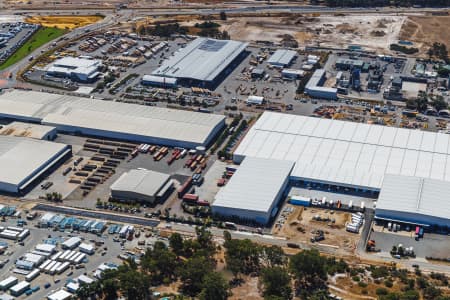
191, 263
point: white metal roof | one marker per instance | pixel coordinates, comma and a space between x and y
8, 280
77, 65
202, 59
282, 57
21, 129
20, 157
45, 247
71, 242
415, 195
144, 182
347, 153
60, 295
86, 246
255, 185
159, 79
313, 82
20, 286
132, 119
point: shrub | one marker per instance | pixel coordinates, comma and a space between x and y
388, 283
356, 278
381, 291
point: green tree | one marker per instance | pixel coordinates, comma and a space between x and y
223, 16
110, 289
160, 263
176, 243
309, 270
273, 256
410, 295
215, 287
134, 285
192, 273
242, 256
277, 282
439, 103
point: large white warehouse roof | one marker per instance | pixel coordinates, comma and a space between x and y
282, 57
111, 119
202, 59
423, 198
140, 182
23, 159
254, 188
347, 153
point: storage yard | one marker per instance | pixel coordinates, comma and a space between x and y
316, 226
62, 252
51, 254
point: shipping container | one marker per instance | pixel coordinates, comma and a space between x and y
185, 187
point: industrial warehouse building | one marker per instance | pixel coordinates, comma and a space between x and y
159, 81
143, 186
114, 120
203, 62
254, 191
315, 88
414, 200
346, 154
34, 131
24, 161
76, 68
282, 58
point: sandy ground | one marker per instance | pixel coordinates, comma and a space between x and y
375, 32
299, 225
425, 30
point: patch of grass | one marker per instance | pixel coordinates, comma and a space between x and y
39, 38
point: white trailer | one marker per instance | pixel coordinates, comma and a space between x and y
23, 234
64, 255
56, 266
57, 255
49, 266
352, 228
80, 258
64, 266
13, 228
74, 258
45, 264
32, 275
71, 255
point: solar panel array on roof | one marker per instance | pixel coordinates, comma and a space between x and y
212, 45
346, 153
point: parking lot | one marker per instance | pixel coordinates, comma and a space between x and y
431, 245
110, 248
12, 36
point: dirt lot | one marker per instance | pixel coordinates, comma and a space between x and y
63, 22
425, 30
370, 31
299, 225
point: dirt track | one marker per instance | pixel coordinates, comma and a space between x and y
425, 30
